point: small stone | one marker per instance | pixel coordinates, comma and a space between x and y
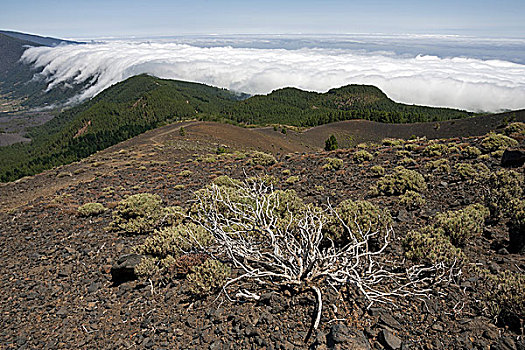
93, 287
503, 251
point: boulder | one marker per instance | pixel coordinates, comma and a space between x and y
123, 270
513, 158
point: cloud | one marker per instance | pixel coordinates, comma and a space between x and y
467, 83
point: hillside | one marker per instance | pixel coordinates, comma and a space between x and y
16, 78
143, 103
61, 267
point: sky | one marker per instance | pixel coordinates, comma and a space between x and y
124, 18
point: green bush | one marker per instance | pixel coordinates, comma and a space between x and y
517, 226
227, 181
430, 245
400, 181
292, 179
406, 161
362, 155
358, 216
438, 166
174, 241
147, 267
466, 171
463, 225
501, 188
333, 164
392, 142
185, 173
494, 142
91, 209
506, 298
411, 200
435, 149
261, 158
515, 128
377, 170
330, 144
139, 213
470, 152
209, 276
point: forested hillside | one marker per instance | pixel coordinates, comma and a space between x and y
143, 102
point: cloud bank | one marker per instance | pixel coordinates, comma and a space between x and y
466, 83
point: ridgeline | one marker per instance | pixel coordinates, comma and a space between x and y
142, 103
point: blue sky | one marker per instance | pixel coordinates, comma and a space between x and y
96, 18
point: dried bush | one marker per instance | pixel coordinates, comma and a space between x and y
249, 233
411, 200
494, 142
500, 189
91, 209
463, 225
400, 181
362, 156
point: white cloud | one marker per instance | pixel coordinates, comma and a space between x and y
465, 83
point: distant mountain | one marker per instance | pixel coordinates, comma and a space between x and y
37, 40
144, 102
16, 78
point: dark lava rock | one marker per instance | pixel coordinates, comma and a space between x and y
389, 340
124, 269
340, 337
513, 158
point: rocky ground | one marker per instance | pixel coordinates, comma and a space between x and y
56, 283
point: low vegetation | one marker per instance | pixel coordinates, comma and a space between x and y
400, 181
91, 209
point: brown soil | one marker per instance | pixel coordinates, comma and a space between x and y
56, 290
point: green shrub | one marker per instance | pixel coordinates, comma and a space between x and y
139, 213
463, 225
403, 153
466, 171
494, 142
330, 144
438, 166
209, 276
286, 172
401, 181
333, 164
227, 181
182, 132
362, 155
506, 298
435, 149
406, 161
174, 241
147, 267
515, 128
430, 245
392, 142
501, 188
292, 179
517, 226
470, 152
377, 170
411, 200
185, 173
358, 216
261, 158
91, 209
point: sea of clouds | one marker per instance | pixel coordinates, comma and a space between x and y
260, 66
